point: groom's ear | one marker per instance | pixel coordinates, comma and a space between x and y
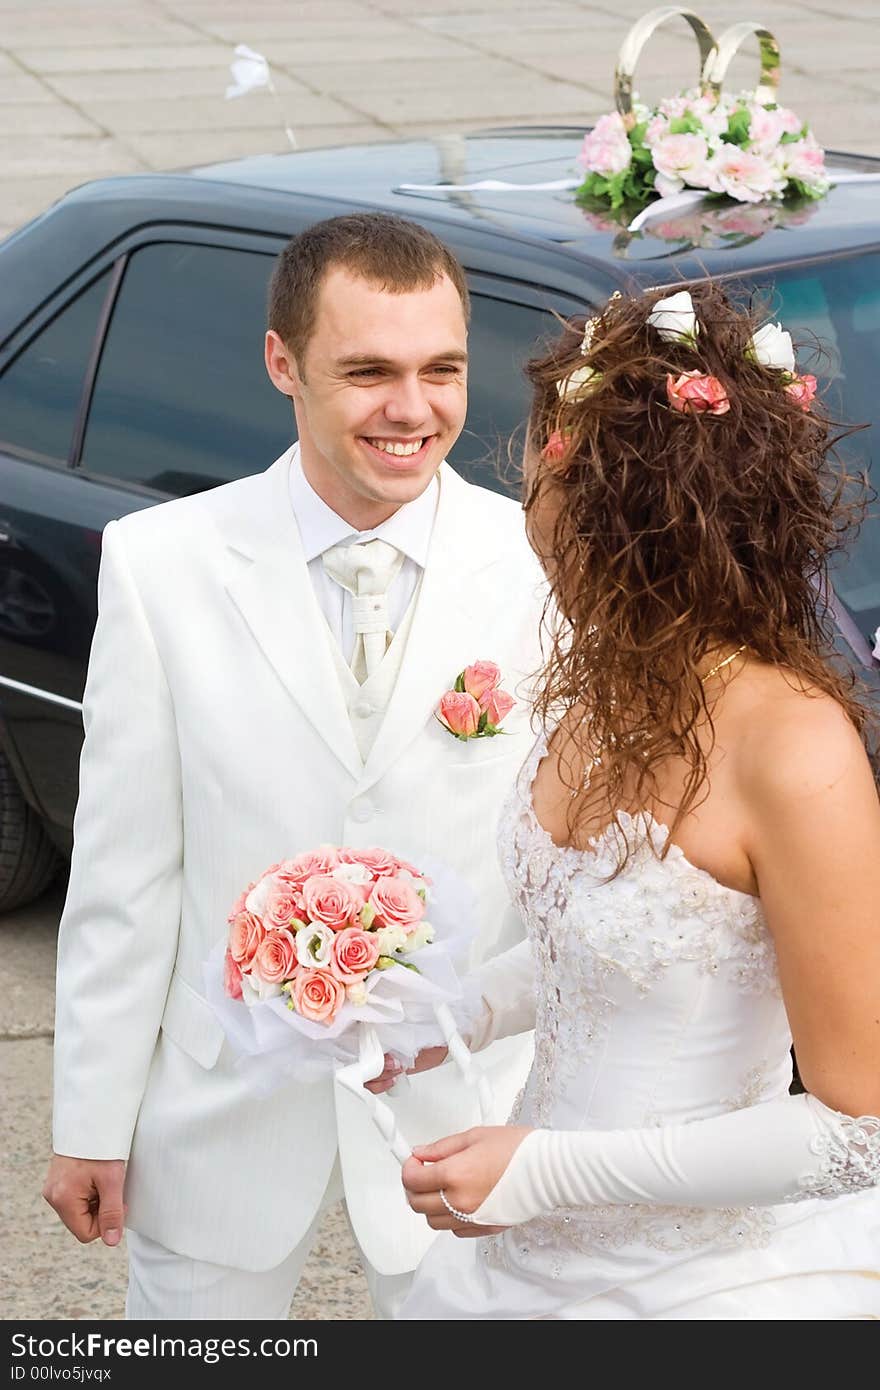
282, 367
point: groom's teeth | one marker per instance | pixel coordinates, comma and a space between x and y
390, 446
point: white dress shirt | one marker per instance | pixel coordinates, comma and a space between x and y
409, 529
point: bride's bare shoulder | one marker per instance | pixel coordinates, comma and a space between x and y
792, 737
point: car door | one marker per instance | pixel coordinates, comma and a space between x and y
143, 383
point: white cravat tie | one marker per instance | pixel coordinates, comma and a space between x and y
367, 570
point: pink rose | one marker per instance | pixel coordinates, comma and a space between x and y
317, 995
682, 157
303, 866
355, 952
496, 705
606, 149
231, 977
282, 906
656, 129
480, 677
802, 390
379, 862
750, 178
556, 447
396, 903
330, 902
275, 960
697, 393
804, 160
460, 713
245, 936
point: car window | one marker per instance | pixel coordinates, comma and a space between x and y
838, 306
41, 389
182, 401
502, 337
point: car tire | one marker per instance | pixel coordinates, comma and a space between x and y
28, 859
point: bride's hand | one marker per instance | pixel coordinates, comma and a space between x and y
428, 1057
467, 1167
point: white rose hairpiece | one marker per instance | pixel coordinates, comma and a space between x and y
772, 347
675, 319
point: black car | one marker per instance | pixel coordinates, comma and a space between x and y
131, 324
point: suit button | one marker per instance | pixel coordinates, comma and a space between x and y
361, 810
363, 709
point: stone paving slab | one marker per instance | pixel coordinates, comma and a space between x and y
105, 57
349, 78
27, 118
194, 114
85, 89
536, 100
19, 86
80, 156
178, 151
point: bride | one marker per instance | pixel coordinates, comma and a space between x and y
695, 847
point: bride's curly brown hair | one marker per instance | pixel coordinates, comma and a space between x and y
676, 538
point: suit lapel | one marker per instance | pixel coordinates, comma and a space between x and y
268, 581
447, 621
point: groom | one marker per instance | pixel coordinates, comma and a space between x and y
264, 677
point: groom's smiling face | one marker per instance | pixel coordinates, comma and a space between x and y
380, 393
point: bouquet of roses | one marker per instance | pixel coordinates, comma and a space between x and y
330, 960
320, 929
741, 147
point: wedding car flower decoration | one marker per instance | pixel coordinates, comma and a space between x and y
741, 147
476, 705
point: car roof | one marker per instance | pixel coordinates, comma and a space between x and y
379, 174
539, 237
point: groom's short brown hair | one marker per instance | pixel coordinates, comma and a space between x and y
398, 255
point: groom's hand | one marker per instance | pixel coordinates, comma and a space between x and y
87, 1195
428, 1057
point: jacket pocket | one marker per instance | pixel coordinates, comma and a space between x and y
190, 1023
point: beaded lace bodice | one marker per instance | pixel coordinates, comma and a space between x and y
658, 1001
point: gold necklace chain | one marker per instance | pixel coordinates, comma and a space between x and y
726, 662
597, 757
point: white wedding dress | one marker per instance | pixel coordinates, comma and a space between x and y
656, 1003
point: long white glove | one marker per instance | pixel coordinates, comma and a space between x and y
781, 1151
505, 988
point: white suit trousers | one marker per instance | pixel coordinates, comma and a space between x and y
163, 1286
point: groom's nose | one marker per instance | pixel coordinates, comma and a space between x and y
407, 402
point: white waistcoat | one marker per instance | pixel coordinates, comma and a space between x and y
367, 704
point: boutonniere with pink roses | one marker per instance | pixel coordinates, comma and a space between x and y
476, 705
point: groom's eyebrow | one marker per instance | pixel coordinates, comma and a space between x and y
365, 359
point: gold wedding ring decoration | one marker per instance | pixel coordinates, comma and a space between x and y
716, 55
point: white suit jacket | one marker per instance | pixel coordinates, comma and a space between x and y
218, 742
